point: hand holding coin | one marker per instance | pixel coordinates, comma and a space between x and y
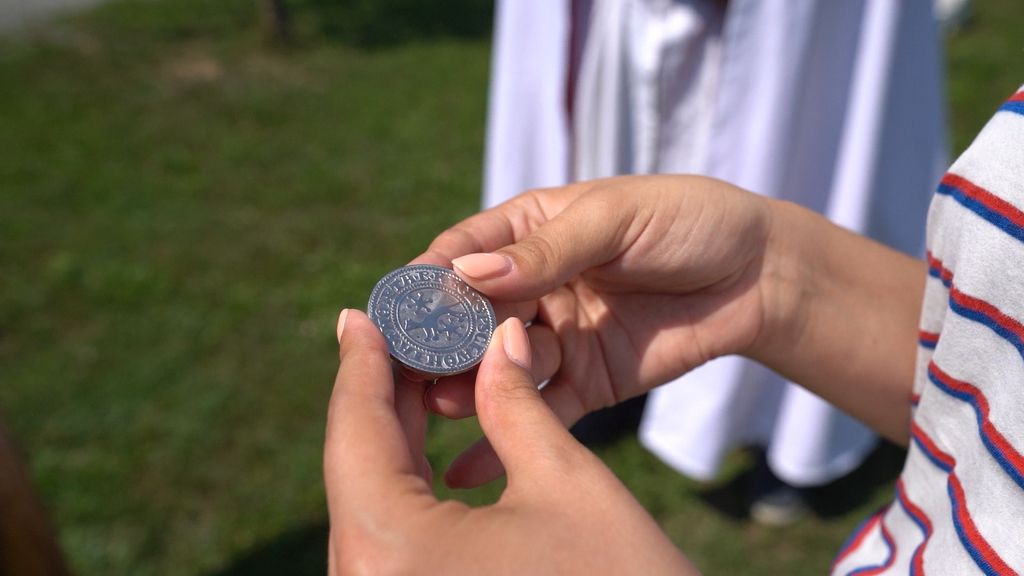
386, 520
625, 283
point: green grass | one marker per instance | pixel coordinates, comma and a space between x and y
985, 64
184, 211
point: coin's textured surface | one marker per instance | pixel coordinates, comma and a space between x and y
434, 322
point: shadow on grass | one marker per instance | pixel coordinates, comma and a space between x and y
381, 23
300, 552
832, 500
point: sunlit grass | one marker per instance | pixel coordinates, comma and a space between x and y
184, 211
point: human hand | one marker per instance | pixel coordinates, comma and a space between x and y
562, 510
628, 282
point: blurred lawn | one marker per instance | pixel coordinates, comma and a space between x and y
184, 211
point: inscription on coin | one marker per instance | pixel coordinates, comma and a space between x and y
434, 322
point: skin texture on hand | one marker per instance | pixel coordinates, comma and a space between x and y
626, 283
629, 282
844, 322
562, 512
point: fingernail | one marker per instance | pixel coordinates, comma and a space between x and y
341, 323
516, 343
483, 266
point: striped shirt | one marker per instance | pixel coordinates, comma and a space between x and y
959, 502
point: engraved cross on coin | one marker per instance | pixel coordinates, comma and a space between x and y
431, 316
434, 323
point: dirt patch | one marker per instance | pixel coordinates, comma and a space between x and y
193, 69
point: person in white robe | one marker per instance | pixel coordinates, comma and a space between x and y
834, 105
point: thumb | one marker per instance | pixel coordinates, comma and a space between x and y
590, 232
526, 435
366, 452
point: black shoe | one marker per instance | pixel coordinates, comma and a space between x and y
608, 425
772, 501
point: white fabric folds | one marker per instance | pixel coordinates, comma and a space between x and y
834, 105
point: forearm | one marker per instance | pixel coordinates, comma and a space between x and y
841, 317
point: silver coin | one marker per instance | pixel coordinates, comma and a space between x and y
434, 323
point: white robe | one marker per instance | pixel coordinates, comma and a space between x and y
831, 104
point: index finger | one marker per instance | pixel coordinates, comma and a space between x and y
474, 234
500, 226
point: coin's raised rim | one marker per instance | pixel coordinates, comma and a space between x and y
411, 363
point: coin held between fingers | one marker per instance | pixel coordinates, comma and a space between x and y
434, 323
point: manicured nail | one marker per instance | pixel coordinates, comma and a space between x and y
483, 266
341, 323
516, 343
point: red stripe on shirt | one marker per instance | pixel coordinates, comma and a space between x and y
1012, 457
974, 543
939, 268
927, 339
855, 542
984, 197
922, 520
890, 544
993, 317
946, 462
989, 310
998, 446
981, 546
